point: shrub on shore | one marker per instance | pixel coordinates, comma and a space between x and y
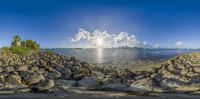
21, 47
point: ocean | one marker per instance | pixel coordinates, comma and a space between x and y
122, 57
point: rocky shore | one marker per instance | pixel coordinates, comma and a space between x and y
51, 72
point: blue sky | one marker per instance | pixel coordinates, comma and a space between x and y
53, 22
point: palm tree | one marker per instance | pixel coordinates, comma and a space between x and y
16, 41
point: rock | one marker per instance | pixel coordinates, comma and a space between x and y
113, 87
157, 77
106, 81
1, 69
125, 74
170, 83
78, 76
33, 78
168, 74
98, 75
67, 83
23, 90
88, 82
45, 85
41, 71
14, 81
34, 68
66, 73
54, 75
22, 68
8, 69
142, 85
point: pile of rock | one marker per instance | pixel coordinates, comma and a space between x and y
41, 71
180, 74
46, 71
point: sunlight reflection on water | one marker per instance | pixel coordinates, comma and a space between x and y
121, 57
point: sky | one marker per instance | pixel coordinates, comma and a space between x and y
102, 23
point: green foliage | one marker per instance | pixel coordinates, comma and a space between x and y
20, 50
21, 47
5, 50
32, 45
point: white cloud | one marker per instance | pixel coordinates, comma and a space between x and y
97, 37
179, 44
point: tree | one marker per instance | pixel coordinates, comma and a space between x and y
32, 45
16, 41
22, 47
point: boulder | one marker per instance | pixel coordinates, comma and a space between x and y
99, 75
14, 81
33, 78
113, 87
45, 85
22, 68
142, 85
54, 74
125, 74
67, 83
66, 73
88, 82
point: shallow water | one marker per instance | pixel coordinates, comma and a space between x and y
122, 57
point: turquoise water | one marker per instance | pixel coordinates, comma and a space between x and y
122, 57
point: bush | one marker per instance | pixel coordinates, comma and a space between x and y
5, 50
21, 47
20, 50
32, 45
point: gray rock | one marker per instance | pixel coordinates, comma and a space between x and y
66, 73
9, 69
113, 87
22, 68
54, 74
33, 78
170, 83
14, 81
142, 85
98, 75
88, 82
125, 74
46, 85
67, 83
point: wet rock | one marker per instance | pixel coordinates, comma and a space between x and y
88, 82
67, 83
113, 87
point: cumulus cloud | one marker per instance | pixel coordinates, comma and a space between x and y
179, 44
107, 40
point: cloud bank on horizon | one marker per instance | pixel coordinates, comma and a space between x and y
104, 39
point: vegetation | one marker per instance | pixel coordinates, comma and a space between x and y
21, 47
